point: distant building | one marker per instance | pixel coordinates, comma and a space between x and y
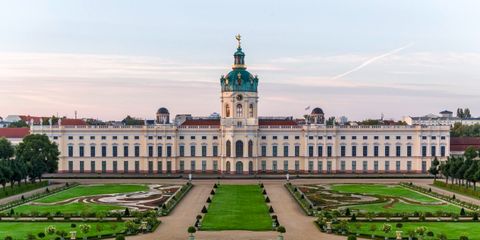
445, 118
14, 135
458, 145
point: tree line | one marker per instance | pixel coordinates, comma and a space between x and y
28, 161
461, 130
461, 170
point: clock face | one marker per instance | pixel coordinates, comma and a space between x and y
239, 97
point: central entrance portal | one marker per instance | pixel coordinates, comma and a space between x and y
239, 167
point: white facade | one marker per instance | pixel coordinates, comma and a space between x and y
241, 142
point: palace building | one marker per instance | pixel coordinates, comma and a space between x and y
238, 141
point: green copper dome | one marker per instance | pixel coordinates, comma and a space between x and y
239, 79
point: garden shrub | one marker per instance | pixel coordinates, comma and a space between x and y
430, 234
212, 192
462, 212
352, 237
267, 200
126, 212
73, 225
8, 238
264, 192
354, 218
209, 200
204, 209
120, 237
41, 235
270, 210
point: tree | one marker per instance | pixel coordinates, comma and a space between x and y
470, 174
466, 113
18, 124
132, 121
434, 168
6, 149
330, 121
460, 113
470, 152
40, 154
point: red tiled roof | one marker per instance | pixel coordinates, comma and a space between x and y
36, 120
201, 122
276, 122
71, 122
14, 132
458, 144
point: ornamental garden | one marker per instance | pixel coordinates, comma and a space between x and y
89, 211
381, 211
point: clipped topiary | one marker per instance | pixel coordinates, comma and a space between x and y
462, 212
215, 185
204, 209
126, 212
352, 237
120, 237
270, 210
347, 212
475, 216
209, 200
212, 192
353, 218
264, 192
267, 199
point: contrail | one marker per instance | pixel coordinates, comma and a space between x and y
371, 60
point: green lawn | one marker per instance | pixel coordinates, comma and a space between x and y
71, 208
401, 207
19, 230
385, 190
238, 207
453, 230
90, 190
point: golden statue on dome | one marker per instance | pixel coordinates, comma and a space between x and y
238, 37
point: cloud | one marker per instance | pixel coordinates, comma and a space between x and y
370, 61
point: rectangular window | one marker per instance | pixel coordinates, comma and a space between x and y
81, 151
115, 167
409, 151
215, 151
159, 167
92, 166
274, 137
342, 137
409, 166
264, 151
424, 166
310, 151
375, 151
204, 151
125, 167
264, 166
387, 166
342, 166
125, 151
354, 166
169, 167
125, 137
150, 151
150, 167
159, 151
354, 151
329, 167
137, 167
397, 166
285, 166
297, 166
329, 151
204, 166
365, 166
297, 151
310, 166
82, 167
92, 151
365, 137
137, 151
375, 166
320, 151
70, 151
424, 151
169, 151
375, 137
104, 166
320, 167
398, 137
387, 151
342, 151
398, 150
192, 166
433, 151
387, 137
181, 150
442, 151
114, 151
274, 151
215, 165
104, 151
192, 137
70, 167
365, 151
274, 166
285, 151
182, 166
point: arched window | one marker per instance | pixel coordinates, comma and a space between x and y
239, 110
250, 110
229, 148
250, 148
227, 110
239, 149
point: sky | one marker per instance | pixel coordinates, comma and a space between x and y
359, 58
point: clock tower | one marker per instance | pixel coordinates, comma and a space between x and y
239, 119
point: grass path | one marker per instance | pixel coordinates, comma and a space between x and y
238, 207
